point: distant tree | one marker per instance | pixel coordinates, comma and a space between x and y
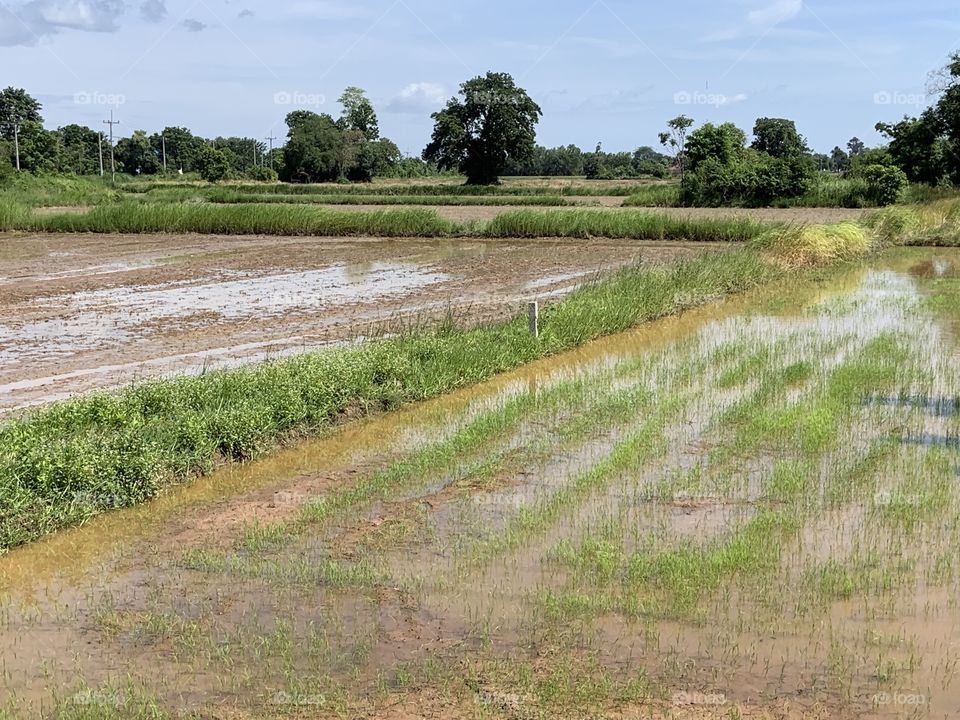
724, 143
839, 160
313, 152
918, 147
182, 148
855, 147
778, 138
136, 156
479, 135
676, 140
647, 161
358, 113
79, 150
212, 164
39, 148
17, 108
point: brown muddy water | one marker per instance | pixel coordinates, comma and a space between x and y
725, 514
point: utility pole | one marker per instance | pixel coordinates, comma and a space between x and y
16, 143
163, 143
113, 166
270, 140
100, 150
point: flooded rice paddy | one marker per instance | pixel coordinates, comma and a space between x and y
79, 312
750, 511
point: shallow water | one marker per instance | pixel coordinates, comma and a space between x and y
462, 570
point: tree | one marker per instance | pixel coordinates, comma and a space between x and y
725, 143
839, 160
358, 113
493, 124
676, 140
212, 164
39, 148
918, 148
885, 184
313, 152
647, 161
778, 138
182, 148
856, 147
136, 156
79, 150
17, 108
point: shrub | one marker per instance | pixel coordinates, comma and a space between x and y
263, 174
212, 164
885, 184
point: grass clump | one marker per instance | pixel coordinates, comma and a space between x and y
933, 224
621, 224
808, 245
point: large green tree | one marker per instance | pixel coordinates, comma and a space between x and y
182, 148
79, 150
778, 138
493, 122
17, 108
313, 152
136, 156
358, 113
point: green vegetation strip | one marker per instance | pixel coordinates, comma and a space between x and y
285, 219
227, 196
570, 189
66, 463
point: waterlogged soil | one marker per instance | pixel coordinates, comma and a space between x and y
502, 574
79, 312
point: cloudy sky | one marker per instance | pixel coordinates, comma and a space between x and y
610, 71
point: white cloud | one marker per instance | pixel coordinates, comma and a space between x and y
418, 98
191, 25
26, 23
153, 10
775, 13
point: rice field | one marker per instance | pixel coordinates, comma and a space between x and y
750, 510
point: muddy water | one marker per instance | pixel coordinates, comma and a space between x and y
81, 312
119, 587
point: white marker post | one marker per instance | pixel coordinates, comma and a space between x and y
533, 313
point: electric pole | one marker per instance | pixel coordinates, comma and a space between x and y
16, 143
100, 150
163, 143
113, 166
270, 140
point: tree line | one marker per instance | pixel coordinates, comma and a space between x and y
489, 129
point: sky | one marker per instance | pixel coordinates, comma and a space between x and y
603, 71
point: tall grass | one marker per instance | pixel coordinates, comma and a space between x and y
933, 224
807, 245
283, 219
229, 196
621, 224
68, 462
662, 195
132, 217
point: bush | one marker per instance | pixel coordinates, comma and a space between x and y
885, 184
212, 164
263, 174
755, 180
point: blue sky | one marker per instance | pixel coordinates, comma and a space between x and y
602, 70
